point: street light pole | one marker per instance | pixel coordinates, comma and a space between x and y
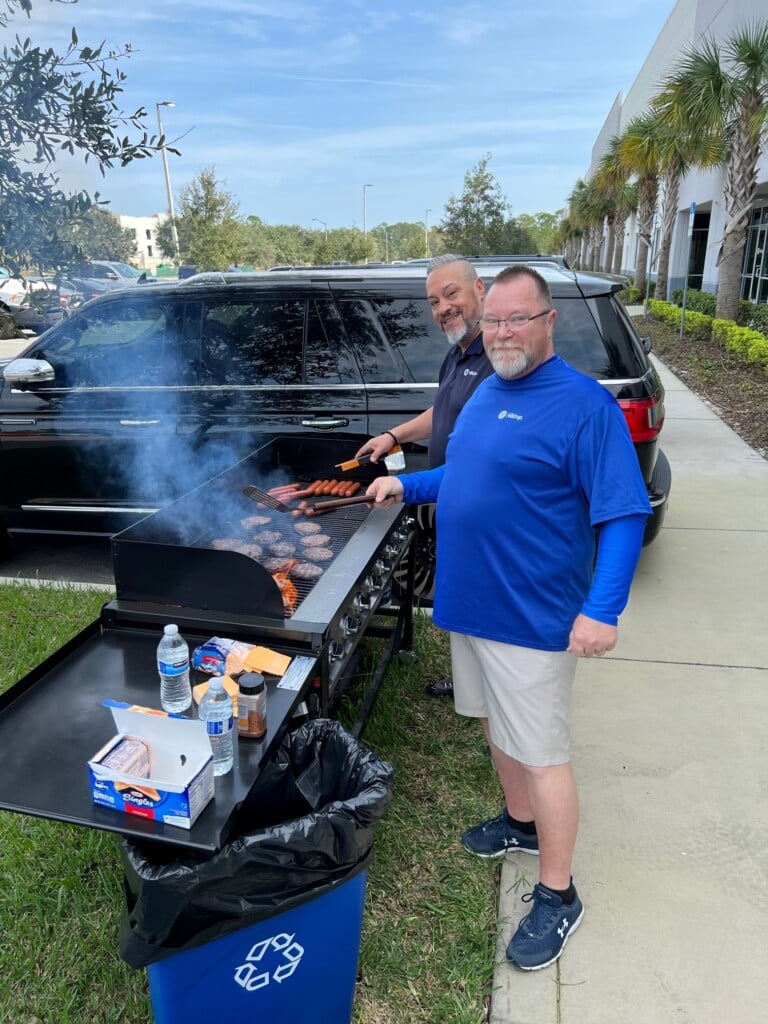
365, 222
168, 189
426, 232
318, 221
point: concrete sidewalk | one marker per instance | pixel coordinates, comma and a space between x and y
670, 755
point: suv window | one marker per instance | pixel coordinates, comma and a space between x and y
252, 342
328, 359
413, 332
261, 342
128, 343
577, 339
378, 362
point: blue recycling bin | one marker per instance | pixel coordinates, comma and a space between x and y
299, 967
268, 928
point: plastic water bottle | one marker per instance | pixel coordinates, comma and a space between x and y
173, 667
216, 712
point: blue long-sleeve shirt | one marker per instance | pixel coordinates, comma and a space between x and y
533, 467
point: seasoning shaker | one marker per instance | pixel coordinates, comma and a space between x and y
252, 706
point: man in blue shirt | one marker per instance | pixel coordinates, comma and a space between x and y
455, 295
539, 460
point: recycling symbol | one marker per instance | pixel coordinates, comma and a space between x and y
273, 959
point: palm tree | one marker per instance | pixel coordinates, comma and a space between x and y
640, 153
679, 152
726, 90
626, 203
568, 239
612, 179
589, 208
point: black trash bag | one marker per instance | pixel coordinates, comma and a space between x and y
308, 826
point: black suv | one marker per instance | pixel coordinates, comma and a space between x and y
146, 392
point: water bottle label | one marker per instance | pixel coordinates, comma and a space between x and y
173, 668
219, 728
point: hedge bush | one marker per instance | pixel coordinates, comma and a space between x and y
699, 302
697, 325
750, 344
751, 314
630, 296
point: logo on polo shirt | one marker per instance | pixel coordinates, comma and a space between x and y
504, 415
470, 373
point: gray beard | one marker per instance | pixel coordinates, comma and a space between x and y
457, 334
508, 368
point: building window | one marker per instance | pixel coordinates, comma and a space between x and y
149, 251
754, 275
149, 235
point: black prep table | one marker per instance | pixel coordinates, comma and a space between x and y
53, 721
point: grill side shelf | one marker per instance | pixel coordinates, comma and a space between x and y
52, 721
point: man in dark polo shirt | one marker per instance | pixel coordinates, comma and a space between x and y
455, 294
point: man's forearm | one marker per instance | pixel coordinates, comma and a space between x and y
417, 429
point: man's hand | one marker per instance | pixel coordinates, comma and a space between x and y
387, 490
590, 638
376, 447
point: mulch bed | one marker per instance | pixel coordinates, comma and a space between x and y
736, 389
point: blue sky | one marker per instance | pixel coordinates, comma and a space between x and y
297, 104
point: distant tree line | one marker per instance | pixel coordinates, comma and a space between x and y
213, 236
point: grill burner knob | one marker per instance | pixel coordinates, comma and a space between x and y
374, 581
336, 649
361, 602
381, 567
350, 624
391, 551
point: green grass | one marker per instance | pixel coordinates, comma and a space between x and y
430, 919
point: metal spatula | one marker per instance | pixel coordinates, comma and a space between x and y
255, 494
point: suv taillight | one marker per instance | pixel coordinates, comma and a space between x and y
644, 416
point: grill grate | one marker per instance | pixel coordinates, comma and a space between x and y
196, 553
264, 541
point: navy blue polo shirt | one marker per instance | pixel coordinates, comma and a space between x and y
459, 375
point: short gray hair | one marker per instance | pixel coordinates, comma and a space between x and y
449, 257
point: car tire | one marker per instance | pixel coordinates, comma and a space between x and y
661, 484
423, 553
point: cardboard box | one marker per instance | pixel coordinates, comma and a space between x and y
180, 782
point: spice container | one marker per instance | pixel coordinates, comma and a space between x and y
252, 706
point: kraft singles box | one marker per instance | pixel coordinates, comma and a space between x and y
180, 780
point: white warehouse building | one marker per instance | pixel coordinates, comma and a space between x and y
701, 192
144, 229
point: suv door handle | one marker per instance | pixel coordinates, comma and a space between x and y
138, 423
325, 424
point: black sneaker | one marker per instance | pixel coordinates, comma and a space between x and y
442, 688
496, 837
542, 934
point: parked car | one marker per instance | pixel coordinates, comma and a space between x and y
32, 300
97, 277
146, 392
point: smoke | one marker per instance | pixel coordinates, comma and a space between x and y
146, 412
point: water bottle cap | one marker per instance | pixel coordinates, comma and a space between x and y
216, 683
251, 682
171, 629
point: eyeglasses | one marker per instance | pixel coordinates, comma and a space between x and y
514, 323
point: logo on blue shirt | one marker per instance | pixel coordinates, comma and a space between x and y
504, 415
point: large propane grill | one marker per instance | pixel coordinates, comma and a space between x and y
171, 557
167, 571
